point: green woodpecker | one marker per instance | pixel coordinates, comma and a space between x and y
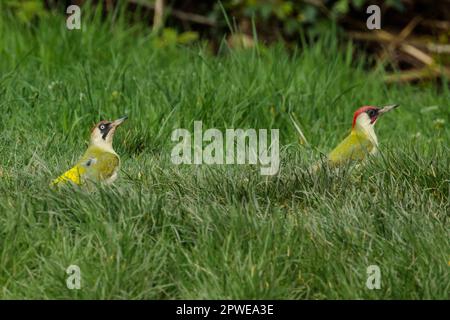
100, 162
362, 140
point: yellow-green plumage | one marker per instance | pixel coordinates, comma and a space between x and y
73, 175
356, 146
100, 163
362, 140
96, 164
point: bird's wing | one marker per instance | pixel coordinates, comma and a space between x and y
106, 165
77, 172
354, 147
96, 164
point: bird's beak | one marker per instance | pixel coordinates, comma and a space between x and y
387, 109
119, 121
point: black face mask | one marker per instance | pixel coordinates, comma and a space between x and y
104, 129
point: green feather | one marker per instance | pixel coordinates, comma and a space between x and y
356, 146
96, 164
103, 164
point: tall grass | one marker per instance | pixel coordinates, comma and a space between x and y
164, 231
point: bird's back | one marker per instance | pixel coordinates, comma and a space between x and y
356, 146
96, 164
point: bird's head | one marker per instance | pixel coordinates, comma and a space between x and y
367, 116
103, 132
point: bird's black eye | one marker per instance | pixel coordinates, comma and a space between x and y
102, 127
372, 112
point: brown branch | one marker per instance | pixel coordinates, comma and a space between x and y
415, 75
409, 28
410, 75
418, 54
439, 48
158, 16
384, 36
181, 15
193, 17
444, 25
432, 69
416, 41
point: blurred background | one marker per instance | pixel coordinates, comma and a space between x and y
413, 43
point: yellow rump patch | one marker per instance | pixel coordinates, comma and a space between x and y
73, 175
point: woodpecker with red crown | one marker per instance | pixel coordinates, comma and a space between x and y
362, 140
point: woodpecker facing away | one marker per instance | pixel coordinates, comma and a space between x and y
100, 162
362, 140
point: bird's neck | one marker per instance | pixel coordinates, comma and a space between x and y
364, 127
103, 145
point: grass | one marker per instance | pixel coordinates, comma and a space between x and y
166, 232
